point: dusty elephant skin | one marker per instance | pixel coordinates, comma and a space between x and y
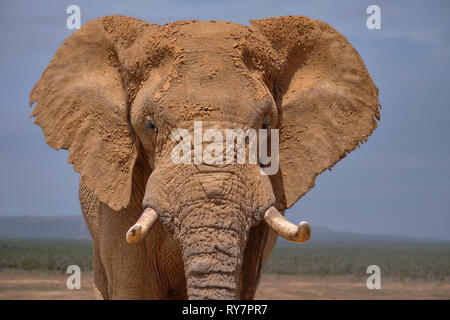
117, 88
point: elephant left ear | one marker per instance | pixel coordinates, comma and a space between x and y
327, 98
82, 102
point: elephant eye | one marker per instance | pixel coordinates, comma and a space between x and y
150, 126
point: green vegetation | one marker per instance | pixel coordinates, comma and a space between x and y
49, 255
399, 260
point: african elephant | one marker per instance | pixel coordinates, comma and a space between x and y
117, 89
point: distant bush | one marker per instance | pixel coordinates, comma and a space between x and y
424, 261
49, 255
399, 260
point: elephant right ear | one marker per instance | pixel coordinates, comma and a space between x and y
82, 104
328, 102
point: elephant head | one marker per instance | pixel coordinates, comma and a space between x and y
118, 88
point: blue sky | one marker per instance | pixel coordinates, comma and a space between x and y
397, 183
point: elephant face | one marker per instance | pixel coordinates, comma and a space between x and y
118, 89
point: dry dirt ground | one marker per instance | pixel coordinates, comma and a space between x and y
40, 285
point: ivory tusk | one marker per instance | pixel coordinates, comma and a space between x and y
141, 228
286, 229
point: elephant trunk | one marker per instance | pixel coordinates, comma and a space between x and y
210, 213
212, 255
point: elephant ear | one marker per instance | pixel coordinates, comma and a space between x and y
82, 101
327, 99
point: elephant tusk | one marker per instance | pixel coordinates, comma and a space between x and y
141, 228
286, 229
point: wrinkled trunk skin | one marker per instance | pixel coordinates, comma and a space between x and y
210, 211
212, 252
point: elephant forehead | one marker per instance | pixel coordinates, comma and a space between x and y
211, 93
191, 38
206, 104
223, 95
204, 74
196, 94
194, 29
